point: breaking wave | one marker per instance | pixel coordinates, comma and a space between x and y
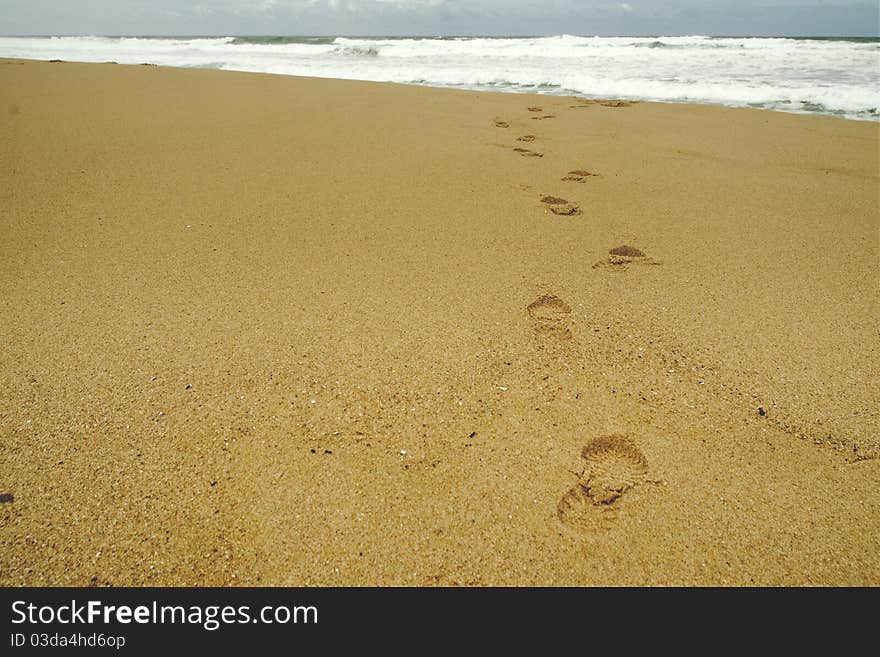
839, 77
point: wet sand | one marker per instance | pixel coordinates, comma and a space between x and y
268, 330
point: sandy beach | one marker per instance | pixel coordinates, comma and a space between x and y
266, 330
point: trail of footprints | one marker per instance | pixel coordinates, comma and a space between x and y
555, 204
583, 103
619, 258
613, 465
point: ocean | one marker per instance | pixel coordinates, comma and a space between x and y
833, 76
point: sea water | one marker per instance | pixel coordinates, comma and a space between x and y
835, 76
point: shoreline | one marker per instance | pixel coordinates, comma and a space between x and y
451, 88
270, 330
309, 57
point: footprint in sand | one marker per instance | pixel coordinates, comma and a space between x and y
546, 116
579, 175
613, 465
525, 152
527, 138
502, 124
550, 317
616, 103
582, 103
621, 257
560, 206
536, 109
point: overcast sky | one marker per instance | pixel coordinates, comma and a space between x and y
441, 17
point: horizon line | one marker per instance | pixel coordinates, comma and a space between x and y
449, 36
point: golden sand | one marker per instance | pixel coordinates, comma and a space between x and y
282, 331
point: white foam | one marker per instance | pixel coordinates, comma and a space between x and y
826, 76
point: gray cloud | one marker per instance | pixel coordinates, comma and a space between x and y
429, 17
